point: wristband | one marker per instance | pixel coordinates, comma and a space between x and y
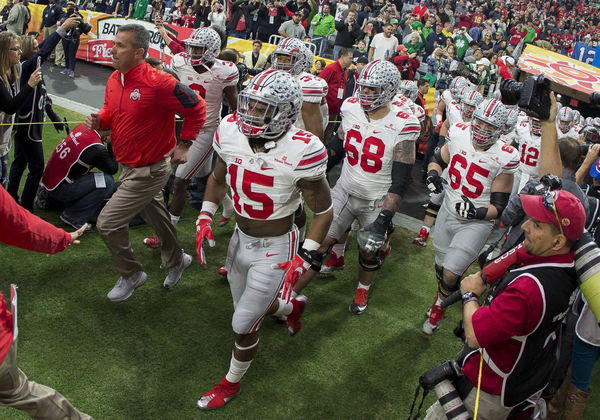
473, 299
209, 207
324, 211
310, 245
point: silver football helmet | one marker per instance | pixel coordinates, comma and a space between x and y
489, 119
456, 84
209, 43
469, 100
565, 119
409, 89
269, 105
511, 120
300, 57
377, 83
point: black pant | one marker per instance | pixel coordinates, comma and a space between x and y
70, 48
28, 154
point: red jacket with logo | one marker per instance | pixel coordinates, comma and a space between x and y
140, 107
22, 229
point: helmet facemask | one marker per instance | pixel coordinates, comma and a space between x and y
283, 61
483, 135
198, 56
258, 118
467, 111
564, 126
371, 100
536, 127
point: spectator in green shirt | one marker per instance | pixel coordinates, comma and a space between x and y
461, 41
415, 44
139, 9
324, 26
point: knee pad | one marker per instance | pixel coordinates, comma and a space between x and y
444, 288
432, 209
372, 264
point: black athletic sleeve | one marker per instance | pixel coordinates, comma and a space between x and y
10, 104
102, 158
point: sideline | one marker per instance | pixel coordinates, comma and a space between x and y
72, 105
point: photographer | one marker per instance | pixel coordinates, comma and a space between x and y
517, 330
29, 152
70, 43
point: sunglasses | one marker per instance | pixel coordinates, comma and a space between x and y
550, 203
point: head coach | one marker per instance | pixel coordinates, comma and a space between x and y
139, 108
517, 331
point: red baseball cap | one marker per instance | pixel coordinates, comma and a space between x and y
569, 211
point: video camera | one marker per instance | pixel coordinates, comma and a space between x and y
591, 137
532, 95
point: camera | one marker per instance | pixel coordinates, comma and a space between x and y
440, 380
595, 98
532, 95
591, 137
82, 27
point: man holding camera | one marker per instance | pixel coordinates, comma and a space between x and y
517, 331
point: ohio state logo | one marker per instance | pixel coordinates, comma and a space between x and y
135, 95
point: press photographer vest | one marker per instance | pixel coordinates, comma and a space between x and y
540, 349
67, 154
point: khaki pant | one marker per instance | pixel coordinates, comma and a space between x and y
38, 401
489, 407
46, 32
140, 191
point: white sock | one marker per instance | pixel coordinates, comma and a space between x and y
174, 219
284, 308
427, 228
339, 249
294, 294
227, 207
302, 232
362, 286
237, 369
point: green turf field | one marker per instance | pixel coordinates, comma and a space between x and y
153, 355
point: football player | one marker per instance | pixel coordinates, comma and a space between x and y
528, 140
509, 132
294, 56
269, 165
469, 99
479, 176
565, 124
201, 70
379, 140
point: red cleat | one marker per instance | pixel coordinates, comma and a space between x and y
434, 315
223, 221
333, 263
421, 239
152, 242
221, 394
294, 324
222, 271
359, 305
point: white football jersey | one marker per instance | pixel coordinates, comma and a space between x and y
369, 146
263, 185
529, 147
447, 97
573, 133
313, 91
209, 84
471, 172
453, 113
509, 138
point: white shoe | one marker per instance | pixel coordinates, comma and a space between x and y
125, 287
174, 273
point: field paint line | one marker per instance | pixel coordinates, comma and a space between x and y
72, 105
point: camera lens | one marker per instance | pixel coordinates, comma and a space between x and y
510, 91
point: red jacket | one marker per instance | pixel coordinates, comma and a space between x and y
336, 78
22, 229
140, 107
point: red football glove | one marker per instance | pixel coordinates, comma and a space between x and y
203, 232
293, 268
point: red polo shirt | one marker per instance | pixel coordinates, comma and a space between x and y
337, 78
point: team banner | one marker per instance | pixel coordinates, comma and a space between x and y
561, 69
589, 55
